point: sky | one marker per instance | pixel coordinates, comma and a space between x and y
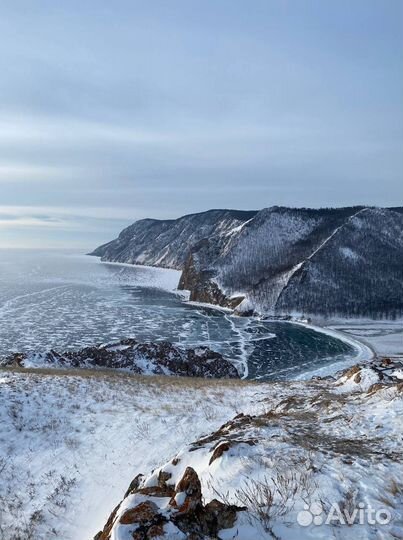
115, 111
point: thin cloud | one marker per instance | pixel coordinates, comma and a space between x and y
160, 110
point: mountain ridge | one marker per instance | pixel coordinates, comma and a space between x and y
278, 260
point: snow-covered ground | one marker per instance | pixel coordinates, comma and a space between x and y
321, 460
69, 444
384, 337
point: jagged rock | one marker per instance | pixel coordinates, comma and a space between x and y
185, 511
162, 358
192, 517
372, 376
351, 371
157, 491
143, 513
105, 533
155, 531
200, 283
222, 435
163, 478
376, 387
219, 450
218, 515
134, 484
188, 495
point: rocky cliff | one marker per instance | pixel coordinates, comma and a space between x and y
167, 243
160, 358
343, 261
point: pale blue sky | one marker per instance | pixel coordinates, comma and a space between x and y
115, 111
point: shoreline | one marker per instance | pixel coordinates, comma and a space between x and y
364, 351
168, 284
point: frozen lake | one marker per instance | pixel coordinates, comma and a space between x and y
63, 300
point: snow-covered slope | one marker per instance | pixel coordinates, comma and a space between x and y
347, 262
71, 444
358, 271
70, 440
167, 243
321, 460
343, 261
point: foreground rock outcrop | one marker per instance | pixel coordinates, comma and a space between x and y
156, 508
321, 446
162, 358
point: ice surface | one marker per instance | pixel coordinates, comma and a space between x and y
64, 301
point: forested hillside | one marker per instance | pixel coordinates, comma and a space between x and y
279, 261
167, 243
